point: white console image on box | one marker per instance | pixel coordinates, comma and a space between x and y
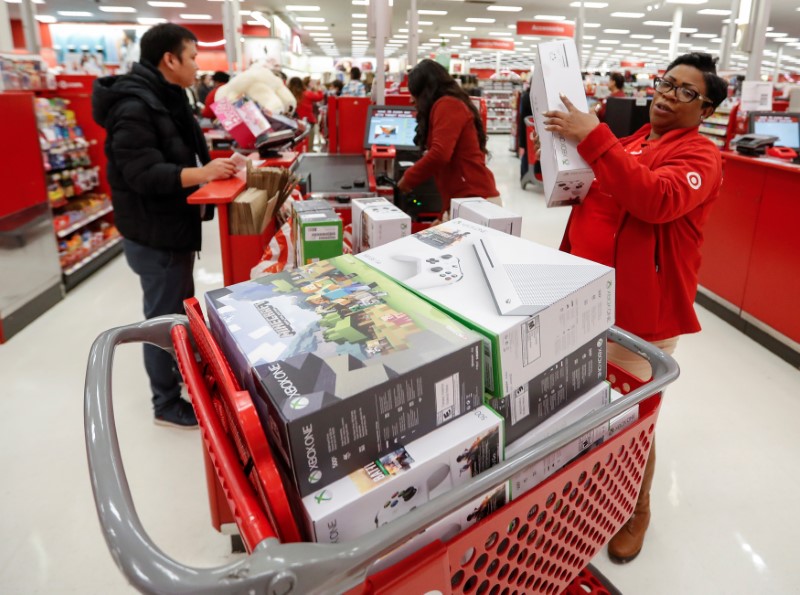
407, 499
434, 271
406, 478
567, 301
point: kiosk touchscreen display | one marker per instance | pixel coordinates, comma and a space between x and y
391, 126
784, 125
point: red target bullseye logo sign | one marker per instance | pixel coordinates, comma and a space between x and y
694, 179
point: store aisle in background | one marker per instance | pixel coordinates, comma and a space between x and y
723, 514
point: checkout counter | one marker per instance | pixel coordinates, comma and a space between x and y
750, 274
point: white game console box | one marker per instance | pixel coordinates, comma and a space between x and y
534, 474
565, 174
486, 213
576, 296
376, 221
406, 478
448, 527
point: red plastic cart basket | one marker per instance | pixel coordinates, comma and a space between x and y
538, 543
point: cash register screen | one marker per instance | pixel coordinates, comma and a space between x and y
781, 124
391, 125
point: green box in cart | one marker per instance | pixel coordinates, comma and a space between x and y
319, 236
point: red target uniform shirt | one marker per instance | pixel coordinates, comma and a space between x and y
644, 216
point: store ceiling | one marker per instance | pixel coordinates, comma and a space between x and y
339, 30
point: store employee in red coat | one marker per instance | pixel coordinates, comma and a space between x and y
449, 127
644, 215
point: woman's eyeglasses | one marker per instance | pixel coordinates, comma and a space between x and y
683, 94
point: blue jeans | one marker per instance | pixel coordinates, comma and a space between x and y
166, 279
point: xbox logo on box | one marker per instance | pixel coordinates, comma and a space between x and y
323, 496
314, 476
298, 403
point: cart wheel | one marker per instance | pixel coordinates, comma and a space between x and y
237, 545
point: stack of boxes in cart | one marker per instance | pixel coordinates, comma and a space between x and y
385, 379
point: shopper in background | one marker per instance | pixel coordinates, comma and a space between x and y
219, 78
449, 127
337, 87
616, 86
157, 156
355, 87
644, 215
525, 110
369, 80
203, 87
305, 104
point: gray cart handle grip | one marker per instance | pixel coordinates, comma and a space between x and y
275, 568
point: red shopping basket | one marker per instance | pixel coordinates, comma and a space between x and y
539, 543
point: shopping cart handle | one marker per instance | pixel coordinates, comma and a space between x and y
274, 568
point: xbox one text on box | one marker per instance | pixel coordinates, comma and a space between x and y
343, 364
566, 176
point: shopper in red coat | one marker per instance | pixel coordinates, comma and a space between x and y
305, 103
219, 78
644, 215
616, 86
449, 127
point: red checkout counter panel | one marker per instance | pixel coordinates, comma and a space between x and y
751, 255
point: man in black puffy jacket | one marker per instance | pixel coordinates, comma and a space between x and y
157, 157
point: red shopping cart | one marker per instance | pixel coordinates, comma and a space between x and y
541, 542
531, 176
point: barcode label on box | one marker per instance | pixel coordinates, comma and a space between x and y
520, 404
448, 399
531, 341
322, 233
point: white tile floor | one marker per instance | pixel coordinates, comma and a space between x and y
724, 497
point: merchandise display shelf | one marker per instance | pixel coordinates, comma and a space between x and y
88, 265
62, 233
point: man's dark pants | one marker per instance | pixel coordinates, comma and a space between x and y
166, 279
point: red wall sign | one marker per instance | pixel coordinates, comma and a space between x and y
631, 64
546, 28
492, 44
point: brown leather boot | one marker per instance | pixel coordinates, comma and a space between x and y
627, 543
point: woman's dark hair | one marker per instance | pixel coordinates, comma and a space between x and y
716, 86
338, 85
297, 87
220, 77
618, 79
162, 39
427, 82
355, 73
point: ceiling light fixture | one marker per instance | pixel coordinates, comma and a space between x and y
589, 4
433, 12
154, 21
309, 19
479, 20
716, 12
75, 13
549, 17
196, 17
498, 8
628, 15
617, 31
126, 9
167, 4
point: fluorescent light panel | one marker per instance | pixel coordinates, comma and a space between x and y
159, 4
121, 9
196, 17
75, 13
617, 31
627, 15
549, 17
155, 21
479, 20
498, 8
433, 12
716, 12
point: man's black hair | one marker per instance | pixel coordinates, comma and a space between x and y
355, 73
716, 86
220, 77
162, 39
618, 79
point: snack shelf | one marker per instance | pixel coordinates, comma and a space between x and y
62, 233
86, 266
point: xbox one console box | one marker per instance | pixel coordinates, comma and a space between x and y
344, 364
534, 474
407, 477
491, 215
565, 174
448, 527
558, 386
574, 298
376, 221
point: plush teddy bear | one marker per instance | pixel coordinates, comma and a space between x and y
260, 84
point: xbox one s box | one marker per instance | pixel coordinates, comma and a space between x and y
409, 476
565, 174
486, 213
558, 386
344, 364
569, 301
376, 221
534, 474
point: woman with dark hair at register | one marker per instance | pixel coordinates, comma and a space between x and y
644, 216
449, 127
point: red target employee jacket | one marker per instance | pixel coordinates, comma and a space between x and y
644, 215
454, 156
